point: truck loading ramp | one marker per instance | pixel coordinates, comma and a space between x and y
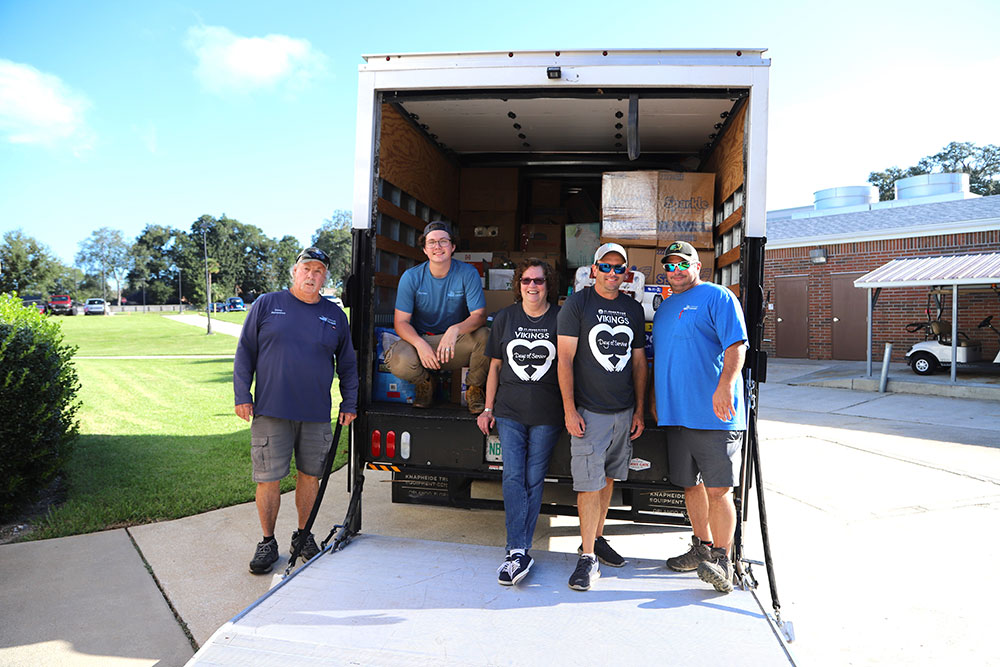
398, 601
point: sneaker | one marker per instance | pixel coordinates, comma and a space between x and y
309, 549
605, 553
424, 397
503, 573
476, 399
691, 559
519, 566
265, 556
586, 570
717, 571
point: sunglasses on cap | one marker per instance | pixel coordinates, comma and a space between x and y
528, 281
313, 254
605, 267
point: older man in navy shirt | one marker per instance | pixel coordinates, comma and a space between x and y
292, 341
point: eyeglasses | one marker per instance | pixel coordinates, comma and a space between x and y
313, 254
528, 281
605, 267
677, 266
443, 243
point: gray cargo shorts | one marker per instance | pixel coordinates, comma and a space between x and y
273, 440
604, 450
706, 457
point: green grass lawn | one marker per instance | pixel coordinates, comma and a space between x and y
237, 317
127, 334
158, 437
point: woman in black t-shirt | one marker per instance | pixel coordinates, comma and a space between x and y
523, 400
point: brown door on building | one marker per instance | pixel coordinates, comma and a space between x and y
849, 327
791, 317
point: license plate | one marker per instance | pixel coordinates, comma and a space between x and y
493, 454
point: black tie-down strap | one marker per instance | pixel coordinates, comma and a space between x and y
303, 534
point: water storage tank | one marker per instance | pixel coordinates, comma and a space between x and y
853, 195
926, 185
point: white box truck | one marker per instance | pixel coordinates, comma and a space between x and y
511, 147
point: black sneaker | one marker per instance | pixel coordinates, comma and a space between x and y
503, 572
586, 570
605, 553
718, 571
309, 549
519, 566
690, 559
265, 556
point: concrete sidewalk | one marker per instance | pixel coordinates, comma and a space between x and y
844, 471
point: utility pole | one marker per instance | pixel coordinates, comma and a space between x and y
180, 304
208, 277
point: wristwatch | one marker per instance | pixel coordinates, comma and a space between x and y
487, 409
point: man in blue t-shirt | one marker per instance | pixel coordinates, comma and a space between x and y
699, 343
439, 317
290, 345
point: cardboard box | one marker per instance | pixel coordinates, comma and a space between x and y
500, 279
642, 259
458, 386
488, 189
541, 238
581, 208
497, 300
555, 216
628, 207
707, 258
487, 231
581, 242
545, 194
471, 257
684, 208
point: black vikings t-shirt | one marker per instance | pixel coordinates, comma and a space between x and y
606, 331
529, 381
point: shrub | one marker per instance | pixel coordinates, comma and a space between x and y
38, 387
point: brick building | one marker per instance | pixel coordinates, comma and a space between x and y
813, 255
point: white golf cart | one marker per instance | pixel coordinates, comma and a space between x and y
927, 356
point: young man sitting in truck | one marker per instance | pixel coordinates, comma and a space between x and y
439, 317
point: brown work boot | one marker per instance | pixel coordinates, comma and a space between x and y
424, 395
476, 399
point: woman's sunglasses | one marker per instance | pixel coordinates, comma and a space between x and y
604, 267
528, 281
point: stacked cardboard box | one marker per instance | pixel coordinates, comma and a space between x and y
653, 208
488, 203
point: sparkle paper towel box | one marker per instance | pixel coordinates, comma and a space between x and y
684, 210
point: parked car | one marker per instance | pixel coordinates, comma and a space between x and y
217, 307
94, 307
335, 299
34, 301
235, 303
61, 304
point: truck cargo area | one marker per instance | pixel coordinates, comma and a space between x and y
396, 601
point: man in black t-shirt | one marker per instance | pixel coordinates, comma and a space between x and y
602, 377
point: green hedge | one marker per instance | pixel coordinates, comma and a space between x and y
38, 387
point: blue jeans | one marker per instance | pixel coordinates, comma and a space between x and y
526, 451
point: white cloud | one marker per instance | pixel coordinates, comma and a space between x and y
38, 108
230, 63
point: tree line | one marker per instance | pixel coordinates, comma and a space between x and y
981, 163
165, 264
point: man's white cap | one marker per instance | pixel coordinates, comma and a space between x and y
609, 247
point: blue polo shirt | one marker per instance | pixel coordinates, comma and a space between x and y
691, 332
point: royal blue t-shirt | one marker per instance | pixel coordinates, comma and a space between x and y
437, 303
292, 348
691, 332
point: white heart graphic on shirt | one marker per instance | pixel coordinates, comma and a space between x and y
603, 356
521, 369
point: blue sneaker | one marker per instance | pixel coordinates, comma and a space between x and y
519, 566
503, 572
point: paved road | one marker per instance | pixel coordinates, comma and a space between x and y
883, 511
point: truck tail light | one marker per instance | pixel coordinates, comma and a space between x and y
404, 444
390, 444
376, 443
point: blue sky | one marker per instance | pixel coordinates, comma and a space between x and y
124, 114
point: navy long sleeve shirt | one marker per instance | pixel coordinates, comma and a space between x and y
292, 349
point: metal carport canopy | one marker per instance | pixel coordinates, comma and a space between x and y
938, 271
